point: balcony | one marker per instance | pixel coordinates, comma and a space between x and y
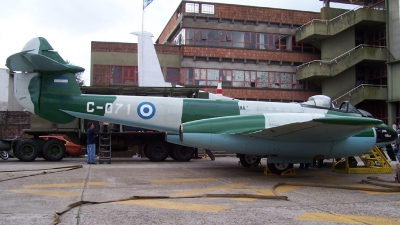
320, 69
364, 92
361, 17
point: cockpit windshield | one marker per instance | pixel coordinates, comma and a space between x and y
323, 101
319, 101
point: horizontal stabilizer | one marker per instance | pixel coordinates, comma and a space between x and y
25, 61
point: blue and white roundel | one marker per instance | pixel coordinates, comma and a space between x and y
146, 110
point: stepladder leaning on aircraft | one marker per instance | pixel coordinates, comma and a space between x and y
284, 133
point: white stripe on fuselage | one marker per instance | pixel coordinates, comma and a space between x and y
167, 112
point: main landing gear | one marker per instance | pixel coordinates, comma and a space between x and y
250, 161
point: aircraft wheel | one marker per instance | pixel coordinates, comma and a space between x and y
53, 150
249, 160
157, 151
26, 150
182, 153
279, 168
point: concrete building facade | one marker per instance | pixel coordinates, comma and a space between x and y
357, 61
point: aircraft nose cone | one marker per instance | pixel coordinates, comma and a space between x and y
385, 134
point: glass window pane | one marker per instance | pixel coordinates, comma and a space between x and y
286, 78
247, 75
253, 76
213, 34
197, 74
207, 8
203, 74
237, 84
213, 74
272, 77
192, 7
116, 75
238, 75
238, 39
262, 76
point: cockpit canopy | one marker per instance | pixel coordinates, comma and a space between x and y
319, 101
323, 101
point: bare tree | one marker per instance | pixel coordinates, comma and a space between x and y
78, 76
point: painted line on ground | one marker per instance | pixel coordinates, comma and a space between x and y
50, 193
64, 185
347, 218
32, 189
183, 180
207, 190
177, 205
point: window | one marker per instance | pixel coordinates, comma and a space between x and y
377, 75
242, 78
213, 39
249, 40
225, 77
207, 8
123, 75
377, 37
189, 36
189, 76
192, 7
115, 75
212, 77
238, 39
173, 76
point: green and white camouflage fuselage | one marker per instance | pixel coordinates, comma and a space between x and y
283, 132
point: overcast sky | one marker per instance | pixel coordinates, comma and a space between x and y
71, 25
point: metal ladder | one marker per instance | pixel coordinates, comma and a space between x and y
105, 148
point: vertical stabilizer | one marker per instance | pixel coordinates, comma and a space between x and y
150, 74
43, 82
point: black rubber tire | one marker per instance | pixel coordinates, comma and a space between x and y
53, 150
279, 168
249, 160
157, 151
26, 150
182, 153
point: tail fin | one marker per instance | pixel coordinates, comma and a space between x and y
44, 81
150, 74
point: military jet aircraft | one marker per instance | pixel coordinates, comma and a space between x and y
284, 133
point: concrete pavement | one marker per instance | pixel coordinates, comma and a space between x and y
32, 197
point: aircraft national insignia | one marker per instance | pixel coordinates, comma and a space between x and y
146, 110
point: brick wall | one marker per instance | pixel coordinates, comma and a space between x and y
132, 48
265, 94
113, 47
248, 54
13, 122
262, 14
101, 75
168, 29
248, 13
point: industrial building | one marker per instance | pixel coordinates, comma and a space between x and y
269, 54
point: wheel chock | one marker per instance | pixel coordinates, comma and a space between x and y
267, 172
252, 166
289, 172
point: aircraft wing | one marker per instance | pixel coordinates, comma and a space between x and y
285, 126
